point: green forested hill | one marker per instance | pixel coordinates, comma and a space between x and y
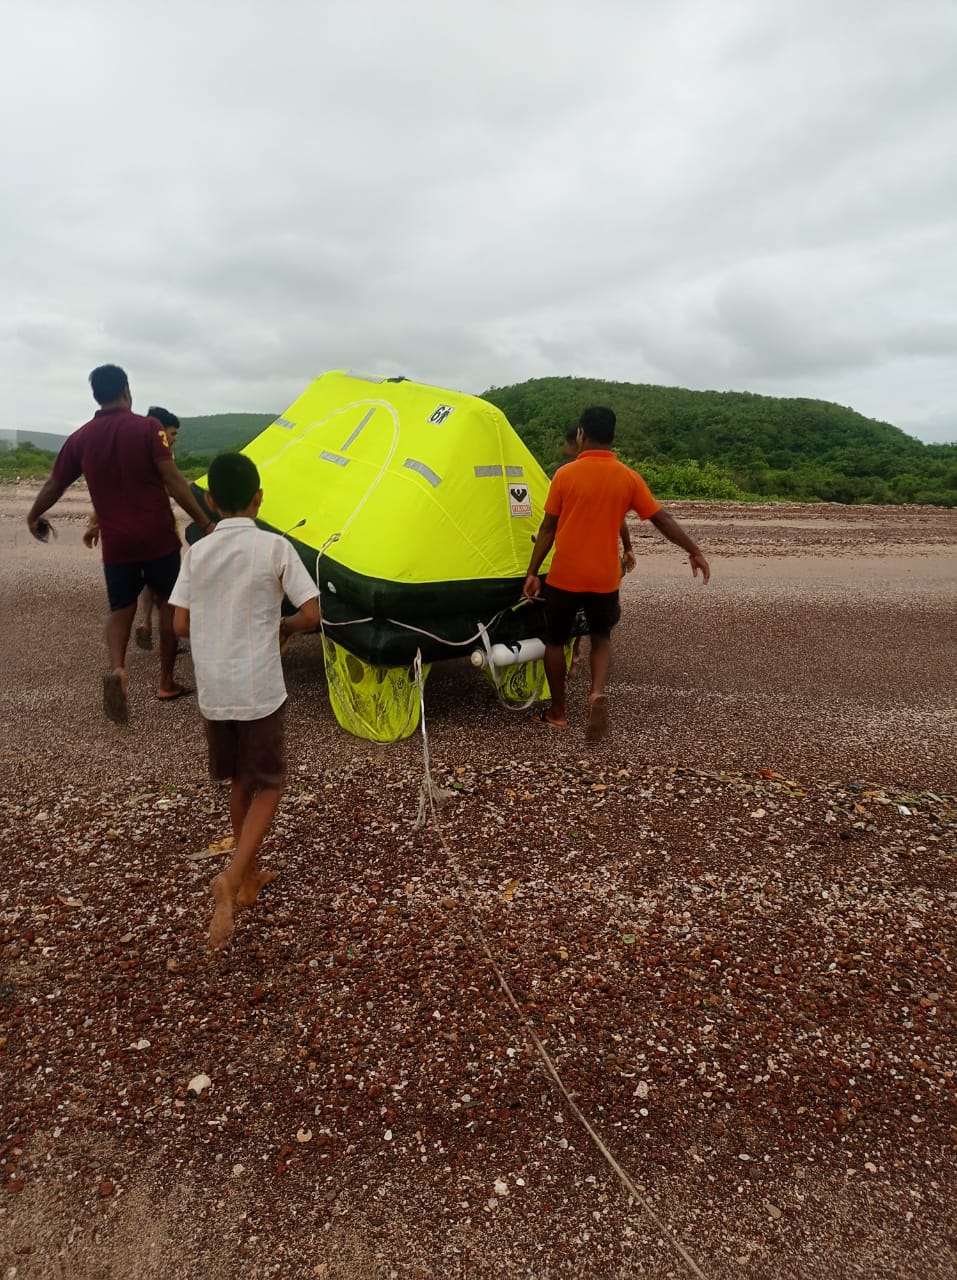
687, 444
716, 443
216, 431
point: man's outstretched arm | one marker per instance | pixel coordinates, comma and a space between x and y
666, 524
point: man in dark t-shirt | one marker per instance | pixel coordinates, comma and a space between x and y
130, 473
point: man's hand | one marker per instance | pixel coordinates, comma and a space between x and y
91, 534
40, 527
698, 562
533, 587
630, 560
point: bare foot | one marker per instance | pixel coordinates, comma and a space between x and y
144, 636
596, 725
172, 693
221, 925
544, 717
115, 705
250, 887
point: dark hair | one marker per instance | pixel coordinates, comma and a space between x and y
571, 435
233, 481
598, 424
163, 416
108, 382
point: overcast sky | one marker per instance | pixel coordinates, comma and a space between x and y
228, 197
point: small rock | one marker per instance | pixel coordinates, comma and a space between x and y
500, 1188
774, 1211
106, 1189
388, 1135
304, 1135
198, 1084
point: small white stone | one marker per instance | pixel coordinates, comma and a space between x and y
139, 1044
388, 1135
500, 1188
304, 1135
199, 1083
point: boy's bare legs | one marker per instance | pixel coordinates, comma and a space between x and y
168, 688
555, 672
576, 658
597, 722
144, 619
118, 627
239, 884
239, 800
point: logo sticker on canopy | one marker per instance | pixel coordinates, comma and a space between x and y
519, 500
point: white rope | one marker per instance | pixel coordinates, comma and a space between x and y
433, 797
480, 635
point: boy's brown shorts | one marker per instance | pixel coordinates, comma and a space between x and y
252, 751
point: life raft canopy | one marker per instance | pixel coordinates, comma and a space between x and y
415, 508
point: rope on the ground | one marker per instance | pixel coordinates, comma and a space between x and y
431, 800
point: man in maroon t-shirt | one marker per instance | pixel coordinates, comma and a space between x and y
130, 473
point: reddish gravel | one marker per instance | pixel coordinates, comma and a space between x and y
731, 925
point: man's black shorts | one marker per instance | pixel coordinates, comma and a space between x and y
601, 610
124, 582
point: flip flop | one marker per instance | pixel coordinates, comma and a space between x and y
596, 725
143, 637
115, 705
172, 697
542, 717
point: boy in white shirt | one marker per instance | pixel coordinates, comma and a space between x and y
227, 600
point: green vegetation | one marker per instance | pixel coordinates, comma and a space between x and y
730, 444
25, 462
214, 432
687, 444
200, 439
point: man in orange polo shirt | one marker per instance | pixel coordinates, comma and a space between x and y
583, 514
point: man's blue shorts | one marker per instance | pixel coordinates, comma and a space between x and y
124, 582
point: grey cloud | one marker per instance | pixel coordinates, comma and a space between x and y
762, 200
